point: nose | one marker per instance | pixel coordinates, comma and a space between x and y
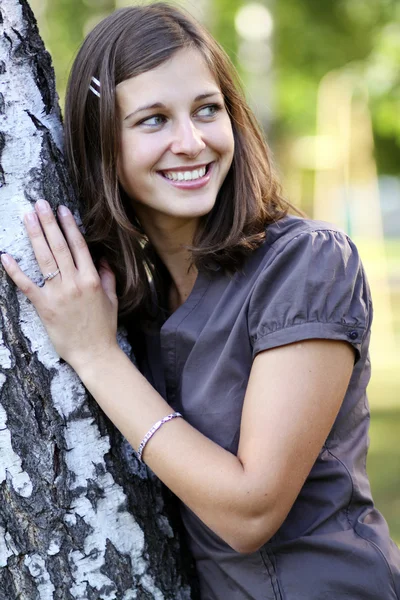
187, 139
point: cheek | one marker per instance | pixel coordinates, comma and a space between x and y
226, 139
142, 153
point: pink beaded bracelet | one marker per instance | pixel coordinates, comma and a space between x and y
152, 431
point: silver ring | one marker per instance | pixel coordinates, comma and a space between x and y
50, 275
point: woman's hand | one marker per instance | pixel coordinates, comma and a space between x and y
79, 305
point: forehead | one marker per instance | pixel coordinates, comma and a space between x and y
186, 74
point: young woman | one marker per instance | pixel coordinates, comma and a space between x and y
251, 326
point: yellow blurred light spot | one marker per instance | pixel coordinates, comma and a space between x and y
319, 152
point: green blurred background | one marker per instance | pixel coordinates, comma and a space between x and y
324, 80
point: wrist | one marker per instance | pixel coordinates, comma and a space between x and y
88, 366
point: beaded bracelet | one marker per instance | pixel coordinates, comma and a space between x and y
152, 431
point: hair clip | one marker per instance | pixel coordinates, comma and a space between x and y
97, 83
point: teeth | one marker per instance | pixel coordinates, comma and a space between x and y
185, 175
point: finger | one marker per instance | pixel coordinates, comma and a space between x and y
22, 281
43, 254
76, 242
55, 238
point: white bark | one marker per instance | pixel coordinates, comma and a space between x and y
80, 518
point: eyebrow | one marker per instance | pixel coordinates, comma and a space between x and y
161, 105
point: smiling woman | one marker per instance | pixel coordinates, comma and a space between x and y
251, 326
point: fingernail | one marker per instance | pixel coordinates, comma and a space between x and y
5, 259
42, 206
63, 211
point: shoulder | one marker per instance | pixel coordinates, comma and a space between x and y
303, 242
291, 228
308, 253
300, 250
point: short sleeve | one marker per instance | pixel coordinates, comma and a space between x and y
315, 287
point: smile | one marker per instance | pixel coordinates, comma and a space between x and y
190, 179
186, 175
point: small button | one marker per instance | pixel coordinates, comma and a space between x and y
353, 335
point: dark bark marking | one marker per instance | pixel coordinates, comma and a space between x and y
38, 124
99, 469
142, 594
78, 534
118, 568
2, 105
3, 324
31, 48
9, 40
51, 180
26, 588
94, 493
60, 574
2, 67
2, 145
91, 593
8, 589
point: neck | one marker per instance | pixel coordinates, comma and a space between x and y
169, 243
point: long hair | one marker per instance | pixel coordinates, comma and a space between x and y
127, 43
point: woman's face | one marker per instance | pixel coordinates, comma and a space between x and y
176, 140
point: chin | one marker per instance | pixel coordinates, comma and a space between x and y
199, 210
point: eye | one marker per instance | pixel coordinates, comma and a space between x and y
154, 121
209, 111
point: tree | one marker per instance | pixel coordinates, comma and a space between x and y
80, 517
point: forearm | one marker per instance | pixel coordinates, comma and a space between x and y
207, 478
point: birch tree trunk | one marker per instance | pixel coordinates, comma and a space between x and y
80, 518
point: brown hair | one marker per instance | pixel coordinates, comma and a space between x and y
127, 43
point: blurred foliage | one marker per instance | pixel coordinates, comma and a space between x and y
362, 36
